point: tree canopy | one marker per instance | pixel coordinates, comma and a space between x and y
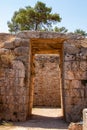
60, 29
80, 31
38, 17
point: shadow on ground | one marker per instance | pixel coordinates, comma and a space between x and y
44, 122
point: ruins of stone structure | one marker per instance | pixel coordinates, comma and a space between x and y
17, 72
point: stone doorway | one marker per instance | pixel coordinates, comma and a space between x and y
17, 72
53, 48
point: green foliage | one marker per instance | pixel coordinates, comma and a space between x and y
60, 30
80, 31
13, 26
38, 17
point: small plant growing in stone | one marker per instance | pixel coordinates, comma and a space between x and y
6, 123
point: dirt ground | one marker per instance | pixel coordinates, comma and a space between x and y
42, 119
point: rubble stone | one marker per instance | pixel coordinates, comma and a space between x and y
75, 126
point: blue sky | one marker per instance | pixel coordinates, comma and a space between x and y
73, 12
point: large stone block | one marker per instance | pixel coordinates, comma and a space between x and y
19, 68
69, 75
67, 66
20, 51
18, 42
8, 45
71, 49
75, 70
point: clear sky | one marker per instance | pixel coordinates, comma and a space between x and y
73, 12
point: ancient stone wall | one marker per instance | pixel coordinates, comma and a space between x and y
6, 37
75, 79
14, 92
47, 81
15, 73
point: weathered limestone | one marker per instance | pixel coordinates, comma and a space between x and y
6, 37
11, 99
17, 72
75, 126
75, 68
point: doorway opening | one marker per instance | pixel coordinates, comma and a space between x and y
47, 85
45, 78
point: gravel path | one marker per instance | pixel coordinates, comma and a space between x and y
42, 119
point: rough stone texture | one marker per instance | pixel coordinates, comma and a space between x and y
75, 69
75, 126
47, 81
6, 37
16, 72
12, 92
